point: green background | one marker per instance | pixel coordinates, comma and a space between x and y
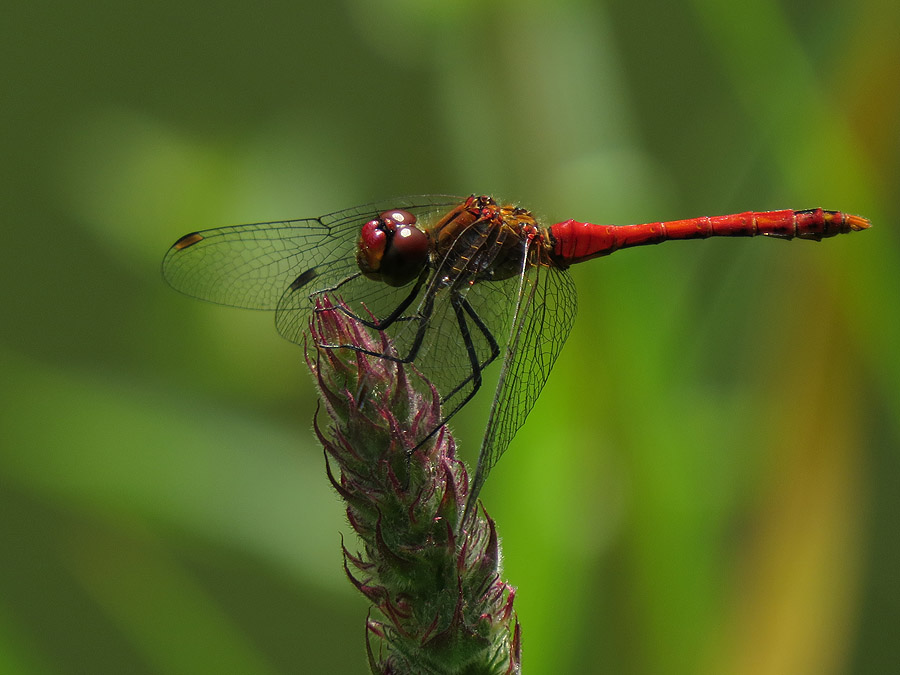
710, 482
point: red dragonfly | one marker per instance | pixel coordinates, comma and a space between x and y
457, 283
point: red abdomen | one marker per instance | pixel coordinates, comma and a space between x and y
574, 242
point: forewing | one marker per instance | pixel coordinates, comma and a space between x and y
252, 266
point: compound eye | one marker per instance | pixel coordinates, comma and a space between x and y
370, 248
397, 217
406, 256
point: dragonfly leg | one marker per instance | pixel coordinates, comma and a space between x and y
395, 315
461, 308
422, 318
460, 305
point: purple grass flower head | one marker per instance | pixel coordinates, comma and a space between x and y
439, 604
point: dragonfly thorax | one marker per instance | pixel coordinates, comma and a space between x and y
484, 241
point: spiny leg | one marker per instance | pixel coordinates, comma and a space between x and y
470, 348
395, 315
422, 320
461, 307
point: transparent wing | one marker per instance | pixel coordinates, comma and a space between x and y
542, 322
252, 266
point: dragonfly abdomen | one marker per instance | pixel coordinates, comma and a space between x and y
575, 242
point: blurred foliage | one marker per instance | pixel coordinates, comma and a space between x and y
710, 481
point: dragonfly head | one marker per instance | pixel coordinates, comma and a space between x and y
392, 249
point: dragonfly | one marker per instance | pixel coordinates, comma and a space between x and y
456, 283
